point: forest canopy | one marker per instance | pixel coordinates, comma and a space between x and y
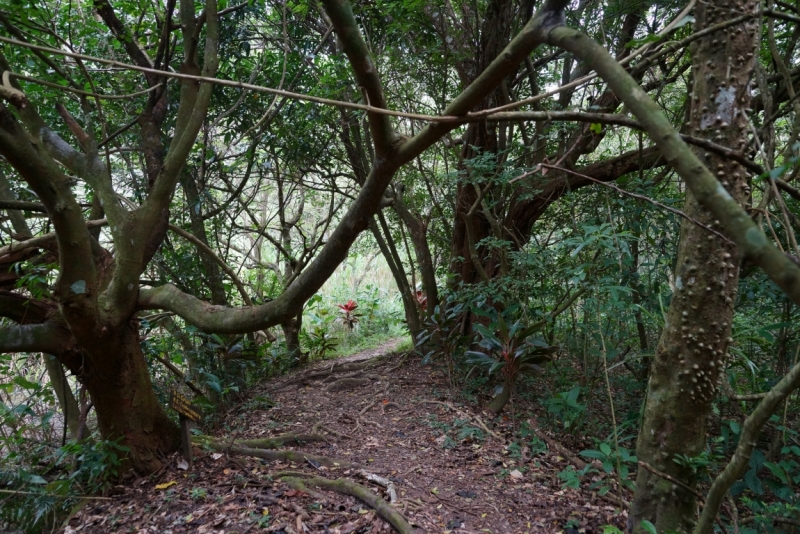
521, 187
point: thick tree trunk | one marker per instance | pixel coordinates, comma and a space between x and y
118, 380
692, 349
480, 138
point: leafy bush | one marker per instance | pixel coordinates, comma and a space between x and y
511, 351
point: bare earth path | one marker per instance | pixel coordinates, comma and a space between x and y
452, 468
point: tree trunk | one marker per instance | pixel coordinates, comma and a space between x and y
395, 264
418, 228
479, 139
213, 275
69, 406
118, 380
693, 345
291, 335
499, 402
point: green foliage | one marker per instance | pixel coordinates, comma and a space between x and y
74, 470
613, 459
198, 494
317, 334
459, 431
441, 338
565, 408
509, 349
572, 477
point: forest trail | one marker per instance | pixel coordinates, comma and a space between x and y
452, 467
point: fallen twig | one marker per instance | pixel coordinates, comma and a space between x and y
486, 428
475, 418
385, 482
368, 407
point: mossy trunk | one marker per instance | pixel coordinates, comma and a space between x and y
692, 350
118, 381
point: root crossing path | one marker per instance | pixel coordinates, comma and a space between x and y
372, 443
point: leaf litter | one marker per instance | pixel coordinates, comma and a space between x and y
448, 465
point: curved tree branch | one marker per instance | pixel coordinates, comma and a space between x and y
25, 310
221, 319
210, 253
702, 183
47, 337
747, 442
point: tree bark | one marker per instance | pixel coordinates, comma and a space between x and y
116, 376
389, 251
418, 228
692, 349
500, 400
213, 275
67, 401
291, 334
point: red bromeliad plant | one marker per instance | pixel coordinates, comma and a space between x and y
349, 315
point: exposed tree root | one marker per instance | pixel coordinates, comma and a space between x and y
368, 407
350, 367
320, 426
399, 365
383, 508
347, 383
292, 456
333, 378
274, 442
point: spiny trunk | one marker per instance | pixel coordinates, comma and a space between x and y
693, 345
118, 380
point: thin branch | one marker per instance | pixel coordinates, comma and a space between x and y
747, 442
224, 266
638, 197
44, 239
704, 186
177, 372
80, 92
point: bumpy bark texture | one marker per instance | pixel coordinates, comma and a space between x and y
692, 349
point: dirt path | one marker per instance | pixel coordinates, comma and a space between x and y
453, 470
